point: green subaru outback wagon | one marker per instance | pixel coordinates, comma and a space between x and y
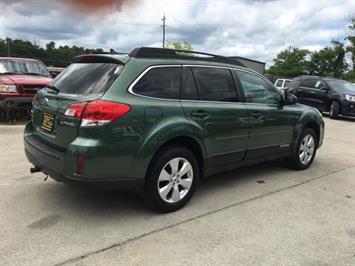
157, 121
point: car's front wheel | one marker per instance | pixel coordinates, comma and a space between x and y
172, 179
305, 151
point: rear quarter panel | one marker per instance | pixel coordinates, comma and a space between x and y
125, 147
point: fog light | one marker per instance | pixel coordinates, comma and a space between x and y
79, 164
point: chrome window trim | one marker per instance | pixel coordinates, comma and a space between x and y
130, 88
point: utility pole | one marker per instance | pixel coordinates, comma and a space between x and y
163, 26
8, 47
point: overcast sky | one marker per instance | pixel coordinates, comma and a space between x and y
255, 29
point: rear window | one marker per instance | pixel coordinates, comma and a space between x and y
87, 78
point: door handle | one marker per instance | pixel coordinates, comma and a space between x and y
313, 92
200, 114
257, 115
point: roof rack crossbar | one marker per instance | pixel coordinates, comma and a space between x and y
151, 52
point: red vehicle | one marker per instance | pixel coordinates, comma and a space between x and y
20, 79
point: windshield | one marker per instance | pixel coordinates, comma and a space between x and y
86, 78
23, 67
341, 85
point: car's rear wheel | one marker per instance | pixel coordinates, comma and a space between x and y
305, 151
334, 110
172, 179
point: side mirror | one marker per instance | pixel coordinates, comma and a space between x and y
290, 99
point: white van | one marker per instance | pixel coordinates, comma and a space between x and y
281, 84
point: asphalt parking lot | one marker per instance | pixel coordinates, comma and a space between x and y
254, 215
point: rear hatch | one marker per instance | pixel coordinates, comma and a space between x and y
85, 80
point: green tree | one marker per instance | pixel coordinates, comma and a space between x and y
291, 62
350, 75
51, 55
185, 46
351, 47
329, 61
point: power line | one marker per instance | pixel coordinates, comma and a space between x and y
163, 26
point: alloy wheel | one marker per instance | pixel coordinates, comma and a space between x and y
307, 148
175, 180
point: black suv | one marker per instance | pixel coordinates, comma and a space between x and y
331, 95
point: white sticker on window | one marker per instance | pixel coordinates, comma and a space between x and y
318, 83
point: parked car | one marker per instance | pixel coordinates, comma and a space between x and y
157, 122
20, 79
281, 84
331, 95
55, 71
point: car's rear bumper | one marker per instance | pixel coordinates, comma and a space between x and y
52, 162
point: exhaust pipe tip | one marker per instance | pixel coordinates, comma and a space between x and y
35, 169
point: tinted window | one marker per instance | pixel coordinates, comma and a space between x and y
319, 84
279, 83
256, 90
309, 83
87, 78
214, 84
189, 90
160, 82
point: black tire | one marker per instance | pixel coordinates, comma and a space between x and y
294, 161
334, 110
159, 162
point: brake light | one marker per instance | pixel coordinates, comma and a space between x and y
100, 112
97, 113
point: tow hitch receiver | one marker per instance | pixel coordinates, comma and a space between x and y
35, 169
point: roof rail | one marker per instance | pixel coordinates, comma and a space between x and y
152, 52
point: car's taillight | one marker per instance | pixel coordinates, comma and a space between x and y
97, 113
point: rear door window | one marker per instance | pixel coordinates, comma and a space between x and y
160, 82
87, 78
215, 84
309, 83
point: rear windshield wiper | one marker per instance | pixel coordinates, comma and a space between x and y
52, 88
